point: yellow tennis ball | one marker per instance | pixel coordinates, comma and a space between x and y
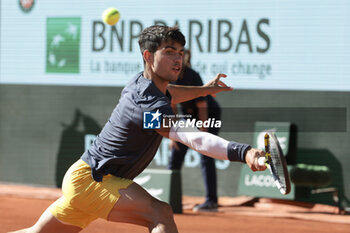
111, 16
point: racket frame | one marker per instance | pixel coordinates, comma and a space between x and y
268, 162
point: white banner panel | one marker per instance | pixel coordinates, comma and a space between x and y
282, 45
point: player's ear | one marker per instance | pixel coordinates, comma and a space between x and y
148, 56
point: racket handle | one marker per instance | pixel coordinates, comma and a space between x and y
261, 161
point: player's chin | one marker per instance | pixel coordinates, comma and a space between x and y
174, 75
177, 72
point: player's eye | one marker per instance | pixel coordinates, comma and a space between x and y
169, 52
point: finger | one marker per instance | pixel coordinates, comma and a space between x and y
221, 83
224, 89
253, 168
261, 168
220, 75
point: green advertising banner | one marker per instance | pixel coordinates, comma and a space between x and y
261, 184
63, 45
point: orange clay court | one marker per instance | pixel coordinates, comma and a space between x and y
21, 206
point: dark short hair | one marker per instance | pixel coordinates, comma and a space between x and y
152, 37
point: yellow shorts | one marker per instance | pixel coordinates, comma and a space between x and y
84, 199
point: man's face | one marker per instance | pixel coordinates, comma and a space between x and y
168, 60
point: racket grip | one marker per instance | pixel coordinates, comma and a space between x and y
261, 161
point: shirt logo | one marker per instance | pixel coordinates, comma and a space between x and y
151, 120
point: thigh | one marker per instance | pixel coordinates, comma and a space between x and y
48, 223
65, 213
135, 206
84, 199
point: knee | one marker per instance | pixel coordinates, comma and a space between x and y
162, 219
162, 211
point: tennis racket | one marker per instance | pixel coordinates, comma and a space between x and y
274, 160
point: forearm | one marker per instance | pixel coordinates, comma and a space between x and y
209, 144
184, 93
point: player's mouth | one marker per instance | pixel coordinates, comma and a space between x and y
177, 68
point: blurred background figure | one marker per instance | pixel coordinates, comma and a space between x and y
200, 108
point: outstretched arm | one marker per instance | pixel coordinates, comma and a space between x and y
184, 93
215, 147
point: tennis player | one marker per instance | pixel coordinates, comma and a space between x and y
99, 185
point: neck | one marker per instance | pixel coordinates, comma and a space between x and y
160, 83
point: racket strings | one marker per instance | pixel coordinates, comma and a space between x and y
277, 165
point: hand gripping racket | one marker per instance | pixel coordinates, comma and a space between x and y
274, 160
